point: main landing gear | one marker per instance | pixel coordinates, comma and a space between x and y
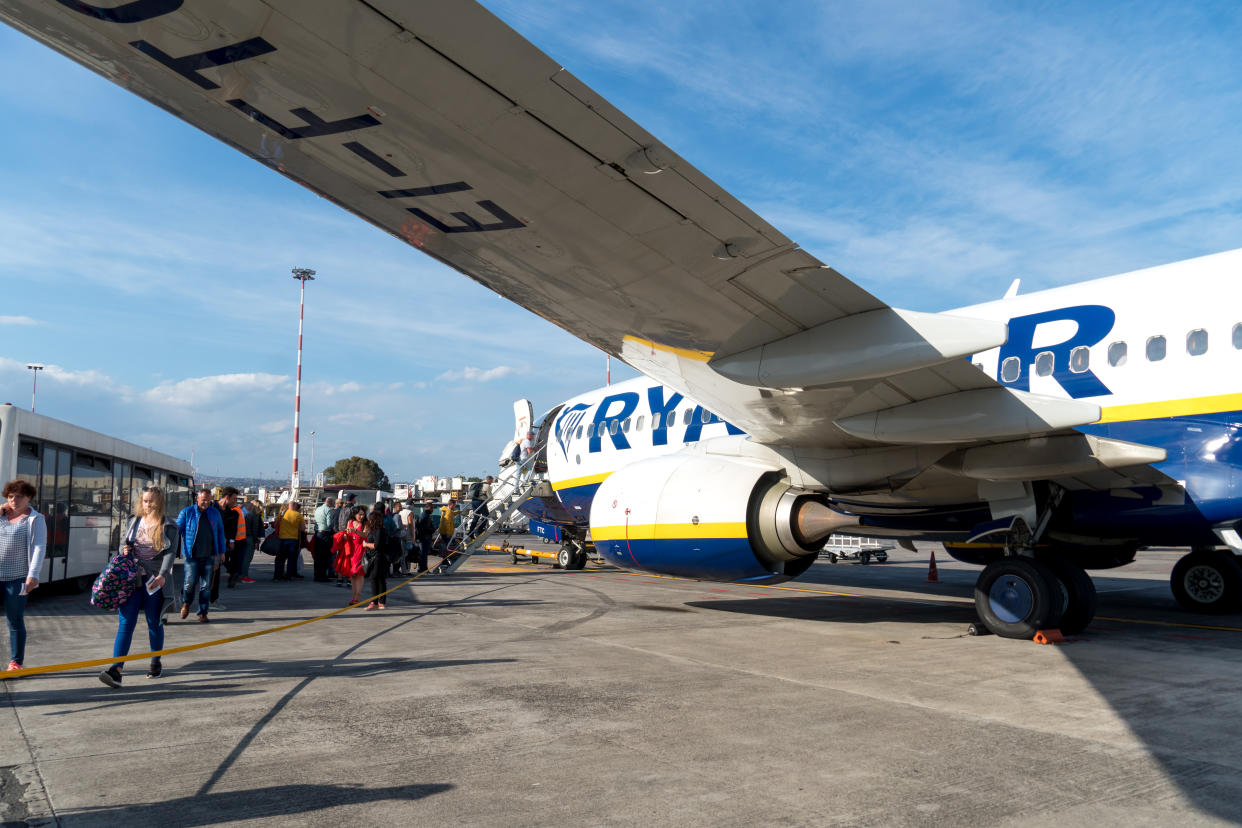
1017, 596
1208, 581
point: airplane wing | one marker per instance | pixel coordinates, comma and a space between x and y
438, 123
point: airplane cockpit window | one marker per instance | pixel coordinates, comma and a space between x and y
1156, 347
1237, 336
689, 414
1043, 364
1080, 359
1117, 354
1011, 369
1196, 342
625, 426
638, 426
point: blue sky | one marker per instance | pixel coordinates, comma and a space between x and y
933, 152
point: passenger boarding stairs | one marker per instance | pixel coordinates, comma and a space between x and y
515, 484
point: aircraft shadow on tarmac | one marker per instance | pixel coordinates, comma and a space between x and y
256, 803
198, 682
1175, 688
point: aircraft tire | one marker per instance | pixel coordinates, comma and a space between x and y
1208, 581
1079, 590
580, 561
564, 558
1017, 597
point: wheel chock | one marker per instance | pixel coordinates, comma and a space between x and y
1048, 637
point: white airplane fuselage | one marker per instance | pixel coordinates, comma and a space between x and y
1159, 350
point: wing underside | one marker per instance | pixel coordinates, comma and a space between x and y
440, 124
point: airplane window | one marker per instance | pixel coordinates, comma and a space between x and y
656, 419
705, 416
603, 428
1117, 354
689, 414
614, 427
1043, 364
1155, 348
638, 426
578, 434
1237, 336
979, 365
1010, 369
625, 426
1080, 359
1196, 342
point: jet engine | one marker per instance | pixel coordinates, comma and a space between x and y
710, 517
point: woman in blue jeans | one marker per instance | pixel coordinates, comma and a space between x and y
154, 540
23, 543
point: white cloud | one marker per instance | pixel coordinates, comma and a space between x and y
198, 392
472, 374
275, 426
19, 320
351, 417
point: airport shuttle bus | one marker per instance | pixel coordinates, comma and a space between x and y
87, 486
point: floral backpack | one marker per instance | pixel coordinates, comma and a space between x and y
120, 578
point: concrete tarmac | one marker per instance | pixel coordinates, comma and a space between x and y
522, 695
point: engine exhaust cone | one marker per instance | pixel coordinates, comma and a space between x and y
815, 521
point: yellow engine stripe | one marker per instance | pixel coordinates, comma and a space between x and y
1172, 408
669, 531
574, 482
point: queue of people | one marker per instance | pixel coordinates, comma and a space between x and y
349, 543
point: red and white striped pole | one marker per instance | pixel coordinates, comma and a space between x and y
303, 275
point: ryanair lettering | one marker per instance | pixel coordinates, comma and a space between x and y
611, 413
312, 126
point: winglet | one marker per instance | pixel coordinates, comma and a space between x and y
1013, 289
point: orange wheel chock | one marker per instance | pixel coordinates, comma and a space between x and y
1049, 637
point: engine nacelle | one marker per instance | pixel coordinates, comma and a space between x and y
710, 517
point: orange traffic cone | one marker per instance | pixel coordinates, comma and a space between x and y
933, 575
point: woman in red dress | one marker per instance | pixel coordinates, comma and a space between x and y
348, 561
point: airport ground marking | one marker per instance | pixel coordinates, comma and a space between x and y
100, 662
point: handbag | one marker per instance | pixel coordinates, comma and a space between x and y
271, 544
120, 578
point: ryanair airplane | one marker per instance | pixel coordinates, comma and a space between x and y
1039, 435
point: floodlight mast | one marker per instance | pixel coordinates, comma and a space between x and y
303, 275
34, 382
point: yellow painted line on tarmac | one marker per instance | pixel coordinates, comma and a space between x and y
100, 662
1177, 624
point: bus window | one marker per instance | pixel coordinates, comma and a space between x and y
142, 479
1155, 348
120, 492
28, 462
91, 492
54, 500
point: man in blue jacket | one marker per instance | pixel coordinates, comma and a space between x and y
204, 548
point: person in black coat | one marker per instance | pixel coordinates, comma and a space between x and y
376, 557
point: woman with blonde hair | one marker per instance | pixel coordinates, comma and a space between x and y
153, 539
